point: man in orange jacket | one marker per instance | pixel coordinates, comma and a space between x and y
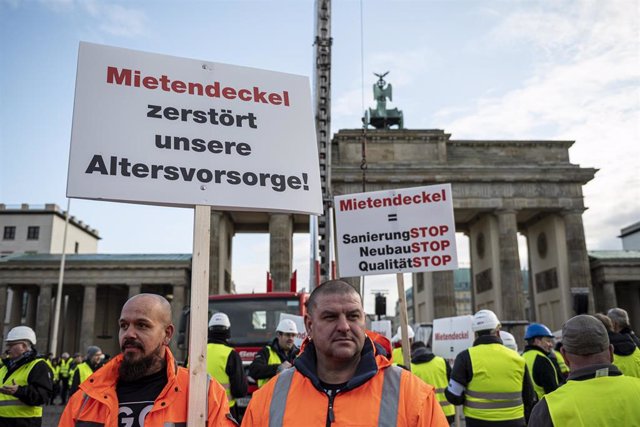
339, 378
143, 385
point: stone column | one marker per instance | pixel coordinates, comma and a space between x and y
43, 318
87, 326
280, 250
134, 289
510, 275
32, 307
577, 258
4, 289
177, 304
215, 273
444, 298
609, 299
15, 319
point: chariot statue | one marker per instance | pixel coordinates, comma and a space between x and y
381, 117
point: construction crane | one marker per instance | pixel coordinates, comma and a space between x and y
320, 228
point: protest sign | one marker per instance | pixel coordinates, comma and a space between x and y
396, 231
164, 130
451, 335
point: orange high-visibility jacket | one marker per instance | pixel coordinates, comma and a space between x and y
96, 402
359, 403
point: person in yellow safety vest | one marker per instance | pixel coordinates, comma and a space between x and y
53, 364
508, 340
224, 363
78, 358
490, 380
65, 371
397, 357
26, 382
620, 320
277, 356
84, 370
626, 356
433, 370
596, 393
543, 366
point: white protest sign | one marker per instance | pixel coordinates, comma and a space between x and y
396, 231
299, 321
382, 327
158, 129
451, 335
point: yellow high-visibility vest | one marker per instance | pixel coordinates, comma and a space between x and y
495, 390
602, 401
10, 406
530, 357
274, 359
217, 356
434, 372
628, 365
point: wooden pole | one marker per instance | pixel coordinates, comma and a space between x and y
404, 320
197, 416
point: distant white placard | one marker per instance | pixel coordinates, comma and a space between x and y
396, 231
158, 129
451, 335
382, 327
299, 321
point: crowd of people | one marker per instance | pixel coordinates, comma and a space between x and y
342, 374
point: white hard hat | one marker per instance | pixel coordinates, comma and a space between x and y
410, 333
508, 340
485, 320
22, 333
220, 319
287, 326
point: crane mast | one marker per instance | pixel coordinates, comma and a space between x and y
321, 235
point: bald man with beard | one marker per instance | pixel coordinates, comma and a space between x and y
143, 385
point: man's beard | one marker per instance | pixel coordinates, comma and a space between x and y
132, 370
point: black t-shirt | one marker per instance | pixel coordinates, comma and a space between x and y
332, 389
136, 398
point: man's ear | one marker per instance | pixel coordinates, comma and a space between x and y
308, 324
169, 331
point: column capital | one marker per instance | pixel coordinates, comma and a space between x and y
572, 211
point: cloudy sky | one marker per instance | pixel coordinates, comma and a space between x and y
491, 69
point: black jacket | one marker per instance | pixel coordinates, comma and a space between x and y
462, 373
36, 393
260, 368
632, 335
623, 345
543, 374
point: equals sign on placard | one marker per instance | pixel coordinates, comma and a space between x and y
392, 217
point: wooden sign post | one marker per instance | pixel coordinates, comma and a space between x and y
199, 317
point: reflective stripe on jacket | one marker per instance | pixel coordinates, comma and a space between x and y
495, 390
601, 401
434, 372
274, 359
217, 356
10, 406
96, 403
378, 394
628, 365
530, 357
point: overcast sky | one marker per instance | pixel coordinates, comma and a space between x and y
477, 69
